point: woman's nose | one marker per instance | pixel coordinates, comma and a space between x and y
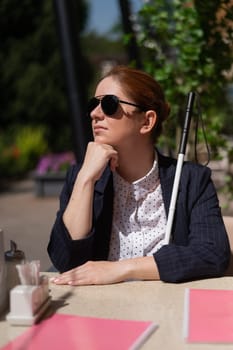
97, 113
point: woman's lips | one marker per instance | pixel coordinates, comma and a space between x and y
99, 128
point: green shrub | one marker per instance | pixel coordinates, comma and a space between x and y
20, 149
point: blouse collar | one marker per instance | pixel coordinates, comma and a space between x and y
141, 187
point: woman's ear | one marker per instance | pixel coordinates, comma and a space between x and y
149, 121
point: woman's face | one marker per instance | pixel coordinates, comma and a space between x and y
123, 127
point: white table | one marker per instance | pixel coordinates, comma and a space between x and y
138, 300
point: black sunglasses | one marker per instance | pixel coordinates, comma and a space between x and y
109, 104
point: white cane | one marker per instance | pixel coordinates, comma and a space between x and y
180, 160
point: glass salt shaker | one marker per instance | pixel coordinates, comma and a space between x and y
13, 257
3, 279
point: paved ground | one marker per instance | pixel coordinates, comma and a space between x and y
28, 219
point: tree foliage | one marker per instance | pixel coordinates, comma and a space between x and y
32, 82
187, 46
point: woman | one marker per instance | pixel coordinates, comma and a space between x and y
114, 206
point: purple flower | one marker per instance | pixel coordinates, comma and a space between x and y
55, 162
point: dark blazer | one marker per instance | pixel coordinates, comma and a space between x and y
199, 246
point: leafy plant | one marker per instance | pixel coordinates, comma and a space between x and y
179, 43
20, 149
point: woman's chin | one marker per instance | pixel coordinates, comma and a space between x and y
101, 139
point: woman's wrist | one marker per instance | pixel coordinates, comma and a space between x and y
142, 268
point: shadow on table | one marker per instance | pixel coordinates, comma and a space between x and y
56, 305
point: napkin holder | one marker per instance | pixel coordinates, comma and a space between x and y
28, 303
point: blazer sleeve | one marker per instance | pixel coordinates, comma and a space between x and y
64, 252
200, 246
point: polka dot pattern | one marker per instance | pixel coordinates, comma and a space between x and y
139, 218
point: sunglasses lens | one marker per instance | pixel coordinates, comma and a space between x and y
109, 104
92, 104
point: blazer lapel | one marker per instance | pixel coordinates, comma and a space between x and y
167, 168
100, 187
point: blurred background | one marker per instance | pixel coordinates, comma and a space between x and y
52, 53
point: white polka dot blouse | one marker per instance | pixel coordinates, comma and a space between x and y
139, 217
